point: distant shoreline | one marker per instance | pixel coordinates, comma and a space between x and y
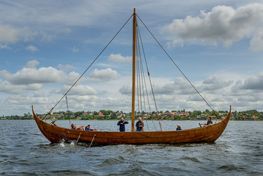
250, 115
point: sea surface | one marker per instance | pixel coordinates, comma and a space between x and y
25, 151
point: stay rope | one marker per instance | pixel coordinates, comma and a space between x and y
143, 80
89, 66
172, 60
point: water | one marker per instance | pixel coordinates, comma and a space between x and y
24, 151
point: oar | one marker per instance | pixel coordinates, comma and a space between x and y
92, 140
78, 138
160, 126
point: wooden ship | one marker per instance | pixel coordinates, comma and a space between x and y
203, 134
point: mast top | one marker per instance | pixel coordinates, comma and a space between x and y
134, 11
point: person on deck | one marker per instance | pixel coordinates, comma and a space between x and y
75, 127
122, 123
139, 125
209, 121
88, 128
178, 128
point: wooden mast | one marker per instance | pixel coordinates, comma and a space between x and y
134, 31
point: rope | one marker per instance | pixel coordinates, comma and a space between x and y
138, 84
137, 88
141, 71
139, 78
146, 90
148, 73
96, 58
172, 60
68, 110
141, 47
142, 83
67, 102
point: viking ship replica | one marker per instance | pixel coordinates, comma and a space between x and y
202, 134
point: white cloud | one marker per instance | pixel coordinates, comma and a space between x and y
31, 48
11, 34
178, 86
79, 90
66, 67
215, 83
125, 90
104, 74
169, 95
8, 34
6, 87
120, 58
219, 90
256, 43
252, 83
31, 74
32, 64
223, 24
71, 77
162, 86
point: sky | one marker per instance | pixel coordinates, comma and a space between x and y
46, 45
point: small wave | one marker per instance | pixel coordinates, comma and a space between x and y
194, 159
231, 167
112, 161
21, 162
137, 169
19, 173
70, 172
62, 144
22, 134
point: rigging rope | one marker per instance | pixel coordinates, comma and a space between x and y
95, 59
144, 81
66, 97
172, 60
67, 102
143, 75
140, 78
148, 72
137, 87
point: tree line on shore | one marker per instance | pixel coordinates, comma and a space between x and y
160, 115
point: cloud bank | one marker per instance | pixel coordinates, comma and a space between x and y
222, 25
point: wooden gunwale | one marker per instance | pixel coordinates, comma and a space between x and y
207, 134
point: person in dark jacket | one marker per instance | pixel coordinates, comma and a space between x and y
88, 128
139, 124
122, 123
209, 121
178, 128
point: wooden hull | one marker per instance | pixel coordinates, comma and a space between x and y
207, 134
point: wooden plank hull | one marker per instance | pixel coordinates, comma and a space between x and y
208, 134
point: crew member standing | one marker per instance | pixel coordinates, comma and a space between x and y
139, 124
122, 123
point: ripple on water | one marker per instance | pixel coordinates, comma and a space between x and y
25, 151
194, 159
231, 167
112, 161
